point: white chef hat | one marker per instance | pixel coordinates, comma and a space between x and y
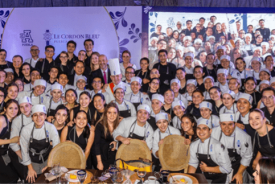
114, 66
176, 103
191, 81
191, 49
271, 36
248, 35
227, 117
57, 86
272, 80
161, 116
257, 48
175, 80
179, 47
189, 54
204, 122
206, 104
81, 77
221, 47
246, 96
40, 82
256, 59
264, 82
237, 77
120, 86
158, 97
266, 70
210, 37
208, 77
39, 108
266, 44
25, 99
198, 40
221, 70
144, 107
225, 57
8, 70
136, 79
231, 93
187, 38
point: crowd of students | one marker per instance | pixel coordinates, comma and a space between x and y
225, 114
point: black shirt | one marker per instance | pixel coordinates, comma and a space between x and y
8, 65
191, 109
146, 75
80, 141
167, 73
264, 140
44, 69
270, 117
265, 32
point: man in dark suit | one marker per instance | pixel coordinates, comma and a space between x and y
103, 71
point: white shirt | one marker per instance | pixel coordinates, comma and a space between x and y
214, 120
138, 98
153, 114
44, 99
176, 122
31, 61
244, 119
224, 88
109, 91
243, 144
159, 135
78, 91
128, 125
218, 153
126, 105
189, 70
28, 87
16, 126
75, 76
182, 98
38, 134
233, 109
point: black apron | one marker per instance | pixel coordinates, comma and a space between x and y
39, 150
248, 129
20, 168
7, 172
51, 112
217, 178
125, 113
135, 136
235, 158
152, 121
138, 103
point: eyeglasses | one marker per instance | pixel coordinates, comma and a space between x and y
154, 83
154, 73
97, 82
130, 73
34, 49
49, 51
63, 57
264, 98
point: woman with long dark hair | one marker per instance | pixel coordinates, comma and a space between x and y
265, 171
105, 146
25, 71
60, 118
71, 97
189, 126
79, 133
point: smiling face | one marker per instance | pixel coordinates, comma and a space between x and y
168, 97
208, 83
227, 127
156, 105
12, 110
243, 106
119, 94
221, 77
81, 120
112, 114
154, 85
84, 101
215, 94
203, 132
180, 74
233, 84
264, 76
39, 118
249, 86
188, 61
99, 103
162, 125
70, 97
26, 108
56, 94
178, 111
205, 112
142, 116
186, 124
175, 87
197, 98
227, 100
256, 120
61, 116
135, 86
12, 92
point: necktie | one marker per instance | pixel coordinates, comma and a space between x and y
105, 77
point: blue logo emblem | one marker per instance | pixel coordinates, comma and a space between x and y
26, 38
231, 116
47, 37
211, 148
238, 143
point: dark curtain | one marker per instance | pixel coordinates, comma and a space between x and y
184, 3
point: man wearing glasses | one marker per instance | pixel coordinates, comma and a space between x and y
129, 73
46, 63
268, 98
179, 25
35, 56
188, 29
158, 32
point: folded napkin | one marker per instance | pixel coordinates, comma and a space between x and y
49, 176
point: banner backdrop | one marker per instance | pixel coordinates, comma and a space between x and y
113, 29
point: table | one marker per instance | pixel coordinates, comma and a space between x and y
41, 179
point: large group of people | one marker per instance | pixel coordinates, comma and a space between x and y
223, 107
